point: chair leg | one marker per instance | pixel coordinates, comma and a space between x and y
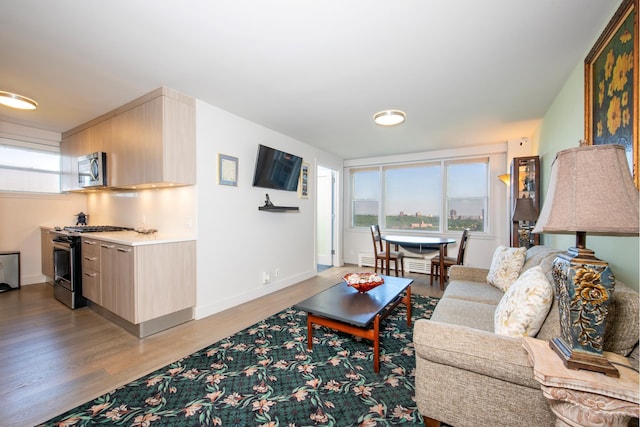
402, 266
434, 272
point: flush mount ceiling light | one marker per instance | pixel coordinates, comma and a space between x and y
389, 117
17, 101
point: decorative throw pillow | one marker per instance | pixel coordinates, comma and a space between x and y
505, 266
524, 307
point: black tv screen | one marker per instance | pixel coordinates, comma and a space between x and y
276, 169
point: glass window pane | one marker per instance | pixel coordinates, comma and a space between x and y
29, 159
365, 196
413, 198
23, 180
467, 196
30, 170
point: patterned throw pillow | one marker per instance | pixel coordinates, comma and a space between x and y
505, 266
524, 307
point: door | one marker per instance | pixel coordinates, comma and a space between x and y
325, 232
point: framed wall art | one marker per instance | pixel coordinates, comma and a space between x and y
611, 85
227, 170
303, 185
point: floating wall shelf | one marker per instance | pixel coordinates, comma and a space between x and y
278, 208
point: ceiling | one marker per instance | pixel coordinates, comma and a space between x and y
466, 72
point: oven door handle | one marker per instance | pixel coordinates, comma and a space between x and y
62, 245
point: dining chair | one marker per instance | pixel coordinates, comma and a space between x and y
449, 261
381, 255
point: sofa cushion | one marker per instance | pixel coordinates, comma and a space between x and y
623, 321
543, 256
505, 266
465, 313
472, 350
525, 305
473, 291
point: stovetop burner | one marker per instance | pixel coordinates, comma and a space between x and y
95, 228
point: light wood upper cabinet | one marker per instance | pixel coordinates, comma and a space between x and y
71, 148
98, 138
149, 141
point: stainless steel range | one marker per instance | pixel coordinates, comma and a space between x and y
67, 262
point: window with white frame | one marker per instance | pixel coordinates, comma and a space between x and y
466, 195
413, 197
29, 167
440, 196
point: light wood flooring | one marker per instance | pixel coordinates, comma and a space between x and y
54, 358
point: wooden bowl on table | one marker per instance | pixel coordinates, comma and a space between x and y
363, 282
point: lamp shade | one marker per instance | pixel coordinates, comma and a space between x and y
524, 210
590, 190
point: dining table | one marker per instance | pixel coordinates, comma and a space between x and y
418, 244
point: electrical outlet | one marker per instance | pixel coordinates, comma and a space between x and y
276, 272
266, 277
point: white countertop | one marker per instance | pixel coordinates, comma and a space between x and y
132, 238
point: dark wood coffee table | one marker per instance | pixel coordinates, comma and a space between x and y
344, 309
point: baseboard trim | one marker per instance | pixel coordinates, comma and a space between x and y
150, 327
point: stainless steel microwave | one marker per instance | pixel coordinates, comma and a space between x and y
92, 170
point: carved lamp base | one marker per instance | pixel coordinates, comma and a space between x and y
575, 359
584, 288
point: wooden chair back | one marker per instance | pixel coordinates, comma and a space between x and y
463, 246
377, 239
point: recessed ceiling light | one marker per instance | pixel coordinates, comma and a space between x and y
17, 101
389, 117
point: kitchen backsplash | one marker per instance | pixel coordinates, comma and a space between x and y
169, 210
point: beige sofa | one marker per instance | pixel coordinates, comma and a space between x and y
466, 375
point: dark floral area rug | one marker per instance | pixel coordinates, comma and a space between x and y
266, 376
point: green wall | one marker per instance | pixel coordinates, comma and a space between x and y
563, 127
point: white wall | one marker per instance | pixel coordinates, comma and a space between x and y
22, 214
480, 248
236, 241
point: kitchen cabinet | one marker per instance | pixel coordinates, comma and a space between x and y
149, 142
139, 283
96, 137
91, 284
117, 280
154, 142
525, 182
46, 249
71, 148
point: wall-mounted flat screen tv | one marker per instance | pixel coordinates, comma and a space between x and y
276, 169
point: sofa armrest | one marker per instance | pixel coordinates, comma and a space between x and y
482, 352
473, 274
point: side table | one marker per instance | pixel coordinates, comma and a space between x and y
584, 398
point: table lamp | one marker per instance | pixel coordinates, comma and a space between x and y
526, 211
590, 191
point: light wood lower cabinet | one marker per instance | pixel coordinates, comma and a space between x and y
46, 249
118, 287
139, 283
91, 286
